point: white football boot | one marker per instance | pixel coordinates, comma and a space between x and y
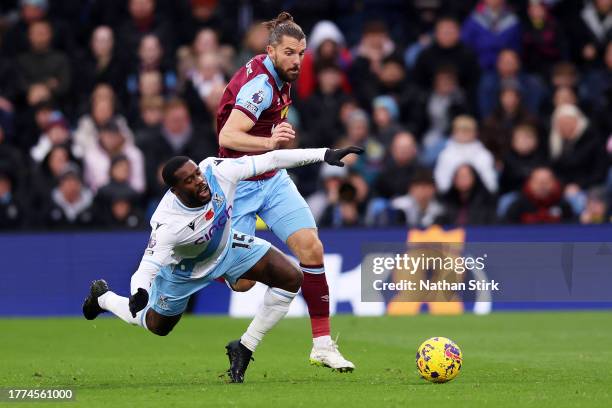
328, 355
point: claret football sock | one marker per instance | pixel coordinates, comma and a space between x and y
316, 294
275, 306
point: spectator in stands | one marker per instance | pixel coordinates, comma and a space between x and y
497, 128
150, 119
358, 134
98, 159
346, 212
321, 111
71, 203
207, 42
204, 14
331, 177
200, 84
509, 74
444, 103
597, 208
419, 206
150, 60
177, 136
592, 31
543, 41
8, 93
491, 28
31, 119
468, 201
393, 81
598, 89
103, 110
142, 21
464, 148
56, 133
123, 213
100, 65
326, 47
447, 50
42, 63
116, 202
11, 160
398, 169
375, 46
46, 174
12, 213
255, 41
523, 156
541, 201
385, 115
576, 149
15, 39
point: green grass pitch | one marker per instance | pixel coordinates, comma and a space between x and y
557, 359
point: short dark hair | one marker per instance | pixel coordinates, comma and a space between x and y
170, 168
283, 24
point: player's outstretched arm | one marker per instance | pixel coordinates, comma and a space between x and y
245, 167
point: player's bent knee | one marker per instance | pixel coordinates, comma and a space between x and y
309, 248
294, 279
161, 331
160, 325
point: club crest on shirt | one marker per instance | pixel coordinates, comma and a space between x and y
217, 199
152, 241
257, 97
209, 214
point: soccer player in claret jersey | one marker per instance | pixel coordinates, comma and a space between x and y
252, 119
192, 243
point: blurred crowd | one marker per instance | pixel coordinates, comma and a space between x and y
470, 112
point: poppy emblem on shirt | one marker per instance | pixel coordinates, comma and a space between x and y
257, 97
208, 216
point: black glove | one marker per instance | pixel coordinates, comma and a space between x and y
333, 156
138, 301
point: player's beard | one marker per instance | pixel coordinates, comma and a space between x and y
286, 75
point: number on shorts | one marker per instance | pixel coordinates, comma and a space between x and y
238, 241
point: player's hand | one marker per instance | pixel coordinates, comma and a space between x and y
282, 133
138, 301
334, 156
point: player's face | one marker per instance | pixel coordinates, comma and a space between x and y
191, 187
287, 57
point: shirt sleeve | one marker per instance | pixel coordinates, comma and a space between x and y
160, 248
254, 97
234, 170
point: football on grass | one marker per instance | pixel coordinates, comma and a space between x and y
439, 359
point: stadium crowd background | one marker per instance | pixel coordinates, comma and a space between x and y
471, 112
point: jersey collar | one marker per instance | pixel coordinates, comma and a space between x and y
270, 67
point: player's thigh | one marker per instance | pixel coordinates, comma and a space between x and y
169, 298
276, 270
285, 211
244, 251
247, 202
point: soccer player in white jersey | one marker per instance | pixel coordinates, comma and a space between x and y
192, 243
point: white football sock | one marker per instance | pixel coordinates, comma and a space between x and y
322, 341
119, 306
275, 306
